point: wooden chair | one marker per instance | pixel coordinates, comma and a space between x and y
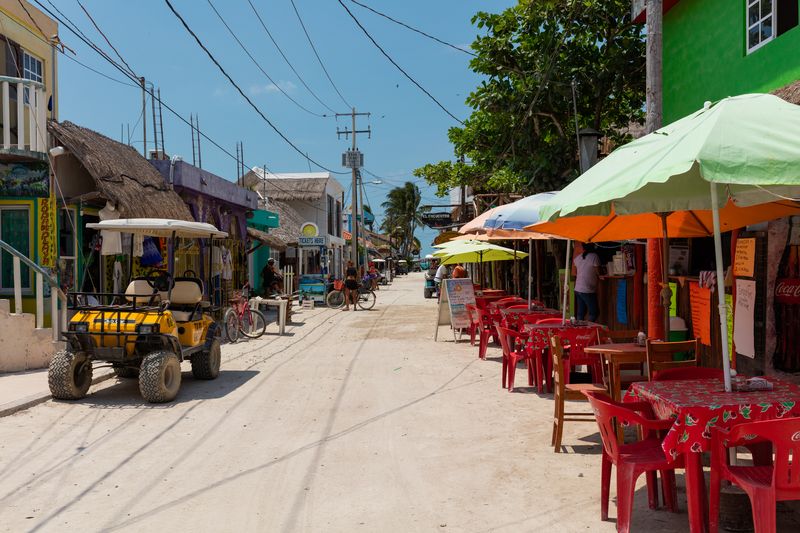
660, 355
622, 336
563, 391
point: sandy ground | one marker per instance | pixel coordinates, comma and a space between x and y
354, 421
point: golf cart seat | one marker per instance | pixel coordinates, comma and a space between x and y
187, 297
140, 292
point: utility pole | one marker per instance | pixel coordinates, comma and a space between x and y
354, 160
462, 216
363, 220
153, 110
144, 117
657, 313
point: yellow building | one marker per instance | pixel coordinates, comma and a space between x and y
28, 98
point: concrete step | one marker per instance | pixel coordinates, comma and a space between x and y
24, 346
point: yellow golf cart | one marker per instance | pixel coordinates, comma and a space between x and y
147, 331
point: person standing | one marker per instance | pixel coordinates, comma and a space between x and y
350, 286
587, 272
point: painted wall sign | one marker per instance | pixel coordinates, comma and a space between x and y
700, 303
28, 179
787, 291
312, 241
309, 229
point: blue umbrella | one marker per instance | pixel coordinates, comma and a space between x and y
517, 215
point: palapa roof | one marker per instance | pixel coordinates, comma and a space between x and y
290, 221
267, 238
790, 93
308, 186
121, 174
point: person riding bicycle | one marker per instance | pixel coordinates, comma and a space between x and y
271, 278
373, 277
350, 286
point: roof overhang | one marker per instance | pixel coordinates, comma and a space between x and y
160, 227
639, 9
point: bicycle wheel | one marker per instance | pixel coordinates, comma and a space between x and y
253, 324
366, 300
335, 299
231, 324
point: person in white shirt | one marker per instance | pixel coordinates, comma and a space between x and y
587, 272
441, 274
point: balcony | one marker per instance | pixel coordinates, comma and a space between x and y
25, 126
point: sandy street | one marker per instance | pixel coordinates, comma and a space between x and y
352, 422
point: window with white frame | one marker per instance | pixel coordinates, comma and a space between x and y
760, 23
31, 67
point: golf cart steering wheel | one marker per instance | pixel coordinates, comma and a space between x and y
189, 274
160, 280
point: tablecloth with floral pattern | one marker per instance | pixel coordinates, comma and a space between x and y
700, 404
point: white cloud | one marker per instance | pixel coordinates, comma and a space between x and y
271, 88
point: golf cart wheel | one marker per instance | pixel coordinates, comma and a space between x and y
230, 323
69, 375
366, 300
160, 377
126, 372
205, 365
335, 299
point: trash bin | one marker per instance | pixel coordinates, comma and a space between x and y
678, 332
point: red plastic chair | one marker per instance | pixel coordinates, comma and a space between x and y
513, 344
472, 312
575, 340
634, 459
486, 329
766, 484
543, 366
696, 372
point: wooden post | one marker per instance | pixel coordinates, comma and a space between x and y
655, 312
20, 116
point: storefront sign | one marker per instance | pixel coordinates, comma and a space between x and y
47, 232
700, 303
787, 291
311, 241
744, 317
744, 260
437, 220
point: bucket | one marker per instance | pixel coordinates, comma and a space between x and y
678, 332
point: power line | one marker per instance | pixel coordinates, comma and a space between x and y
258, 65
241, 92
71, 26
105, 38
393, 62
429, 36
280, 51
314, 48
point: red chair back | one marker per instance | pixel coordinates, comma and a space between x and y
472, 312
698, 372
485, 319
552, 320
578, 339
610, 414
505, 302
508, 340
784, 434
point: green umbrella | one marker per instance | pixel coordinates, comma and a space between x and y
741, 151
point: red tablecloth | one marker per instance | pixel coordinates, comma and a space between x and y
697, 405
483, 302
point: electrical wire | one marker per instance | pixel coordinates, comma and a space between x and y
393, 62
258, 65
241, 92
78, 33
314, 48
286, 59
108, 42
429, 36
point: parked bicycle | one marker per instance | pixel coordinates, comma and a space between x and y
366, 297
240, 318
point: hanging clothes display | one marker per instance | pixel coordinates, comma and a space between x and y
112, 240
227, 264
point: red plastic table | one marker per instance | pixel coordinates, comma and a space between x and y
697, 406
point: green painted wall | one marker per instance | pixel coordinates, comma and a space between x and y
705, 56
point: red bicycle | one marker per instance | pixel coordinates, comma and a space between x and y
239, 318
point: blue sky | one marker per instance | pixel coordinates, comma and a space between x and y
409, 130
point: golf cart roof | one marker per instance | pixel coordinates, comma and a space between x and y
160, 227
402, 261
378, 260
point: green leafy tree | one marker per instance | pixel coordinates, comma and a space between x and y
403, 215
520, 136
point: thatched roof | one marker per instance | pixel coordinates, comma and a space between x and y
307, 186
289, 229
121, 174
267, 238
790, 93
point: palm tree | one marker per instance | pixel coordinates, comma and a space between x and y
402, 209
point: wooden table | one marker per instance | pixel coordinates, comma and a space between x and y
614, 356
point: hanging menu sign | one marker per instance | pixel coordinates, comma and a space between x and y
453, 302
744, 317
744, 259
700, 303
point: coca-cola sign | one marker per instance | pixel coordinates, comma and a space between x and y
787, 291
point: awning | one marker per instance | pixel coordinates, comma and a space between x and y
270, 240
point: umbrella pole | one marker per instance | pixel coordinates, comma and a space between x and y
666, 295
530, 272
723, 310
515, 270
567, 269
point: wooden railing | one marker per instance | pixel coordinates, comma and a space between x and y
288, 279
29, 94
57, 319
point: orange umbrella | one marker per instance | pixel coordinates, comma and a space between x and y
683, 224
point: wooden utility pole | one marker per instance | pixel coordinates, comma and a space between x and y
354, 164
657, 316
144, 117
